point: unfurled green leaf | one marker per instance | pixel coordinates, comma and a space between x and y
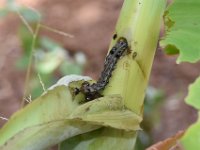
56, 116
182, 21
44, 135
55, 105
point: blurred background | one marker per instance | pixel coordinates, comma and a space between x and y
91, 24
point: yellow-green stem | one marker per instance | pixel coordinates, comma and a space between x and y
139, 23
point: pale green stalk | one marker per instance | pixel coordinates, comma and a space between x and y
139, 23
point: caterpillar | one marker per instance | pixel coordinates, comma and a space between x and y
92, 91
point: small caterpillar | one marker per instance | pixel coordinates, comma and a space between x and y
91, 91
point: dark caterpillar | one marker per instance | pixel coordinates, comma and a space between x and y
91, 91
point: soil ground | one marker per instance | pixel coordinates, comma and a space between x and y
92, 23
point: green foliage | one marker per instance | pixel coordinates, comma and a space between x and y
193, 97
26, 39
190, 140
49, 58
65, 118
182, 20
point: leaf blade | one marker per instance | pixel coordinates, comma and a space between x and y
183, 28
193, 97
